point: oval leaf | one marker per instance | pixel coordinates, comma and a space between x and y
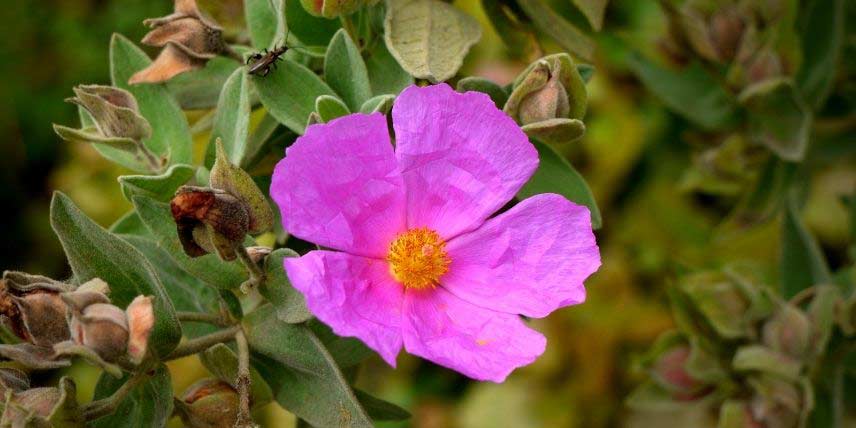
329, 108
158, 187
289, 93
345, 71
289, 303
232, 120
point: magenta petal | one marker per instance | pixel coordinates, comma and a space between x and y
353, 295
474, 341
529, 260
338, 186
460, 156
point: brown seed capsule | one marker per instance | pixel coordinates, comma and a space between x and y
209, 403
188, 38
104, 329
225, 219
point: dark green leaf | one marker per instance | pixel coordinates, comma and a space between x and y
778, 118
209, 268
303, 375
348, 352
803, 264
310, 30
148, 405
556, 175
129, 224
345, 71
171, 134
289, 93
329, 107
516, 33
593, 11
200, 89
556, 131
264, 21
158, 187
289, 303
566, 34
232, 120
480, 84
381, 410
94, 252
690, 92
821, 49
385, 74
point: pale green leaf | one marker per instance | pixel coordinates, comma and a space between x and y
329, 107
566, 34
289, 93
160, 187
345, 71
232, 120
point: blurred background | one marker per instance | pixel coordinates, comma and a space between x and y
635, 156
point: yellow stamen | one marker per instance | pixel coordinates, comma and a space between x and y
417, 258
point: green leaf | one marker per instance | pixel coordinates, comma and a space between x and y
485, 86
303, 375
822, 40
378, 104
187, 292
200, 89
652, 397
347, 352
345, 71
778, 118
556, 131
289, 93
802, 262
171, 134
129, 224
511, 25
329, 107
566, 34
265, 21
232, 120
289, 303
556, 175
385, 73
209, 268
160, 187
381, 410
265, 136
593, 11
767, 194
690, 92
94, 252
310, 30
429, 38
91, 136
763, 359
148, 405
222, 362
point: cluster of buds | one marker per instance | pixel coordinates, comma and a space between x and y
188, 38
113, 119
54, 321
549, 100
216, 219
38, 407
740, 349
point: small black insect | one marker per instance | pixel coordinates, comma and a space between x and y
261, 63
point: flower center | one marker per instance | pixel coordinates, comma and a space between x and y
417, 258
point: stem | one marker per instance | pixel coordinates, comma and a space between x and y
106, 406
202, 317
231, 53
245, 420
199, 344
150, 158
348, 25
257, 275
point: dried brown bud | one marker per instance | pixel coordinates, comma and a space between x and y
209, 219
141, 321
228, 177
43, 407
32, 307
102, 328
209, 403
114, 111
188, 38
13, 380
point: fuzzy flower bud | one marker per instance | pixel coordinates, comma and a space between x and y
549, 99
209, 403
777, 403
209, 220
102, 328
790, 332
141, 321
670, 372
334, 8
188, 39
43, 407
235, 181
33, 309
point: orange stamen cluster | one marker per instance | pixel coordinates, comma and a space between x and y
417, 258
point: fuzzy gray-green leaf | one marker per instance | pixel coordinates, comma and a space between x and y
566, 34
232, 120
345, 71
160, 187
778, 118
378, 104
148, 405
222, 362
289, 303
429, 38
289, 93
329, 107
485, 86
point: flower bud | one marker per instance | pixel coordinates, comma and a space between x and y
141, 321
721, 302
43, 407
114, 111
33, 309
235, 181
102, 328
777, 403
13, 380
334, 8
188, 39
209, 219
670, 372
209, 403
549, 99
790, 332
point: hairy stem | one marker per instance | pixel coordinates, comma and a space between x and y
106, 406
199, 344
257, 275
242, 383
202, 317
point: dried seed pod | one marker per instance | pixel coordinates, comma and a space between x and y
188, 39
209, 219
227, 176
103, 328
209, 403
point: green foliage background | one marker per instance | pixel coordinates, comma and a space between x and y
634, 156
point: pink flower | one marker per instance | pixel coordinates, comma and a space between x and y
419, 262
